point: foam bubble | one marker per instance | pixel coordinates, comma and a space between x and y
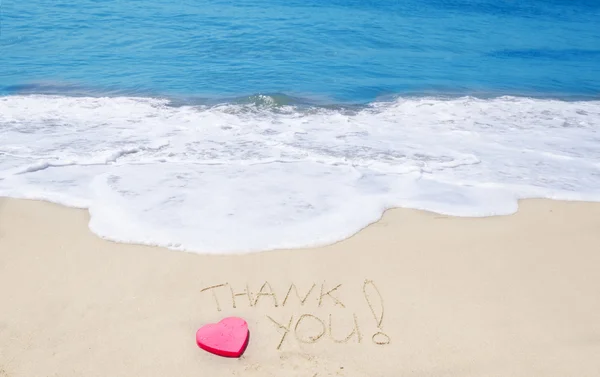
249, 177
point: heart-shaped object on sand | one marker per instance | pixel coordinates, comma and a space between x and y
227, 338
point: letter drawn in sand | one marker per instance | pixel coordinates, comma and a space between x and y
213, 293
383, 337
244, 293
356, 331
302, 300
328, 293
286, 329
311, 339
270, 293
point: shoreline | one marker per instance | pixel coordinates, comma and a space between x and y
415, 293
394, 212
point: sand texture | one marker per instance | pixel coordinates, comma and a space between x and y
415, 294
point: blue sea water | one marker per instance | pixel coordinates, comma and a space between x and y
325, 50
231, 126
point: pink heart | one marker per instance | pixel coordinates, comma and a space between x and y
227, 338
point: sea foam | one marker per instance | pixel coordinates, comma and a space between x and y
257, 176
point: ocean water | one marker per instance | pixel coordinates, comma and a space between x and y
238, 126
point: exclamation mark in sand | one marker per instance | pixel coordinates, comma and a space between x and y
369, 288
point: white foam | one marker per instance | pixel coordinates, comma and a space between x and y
239, 178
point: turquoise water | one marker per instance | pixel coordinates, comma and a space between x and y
238, 126
325, 50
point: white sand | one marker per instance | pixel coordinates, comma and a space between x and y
503, 296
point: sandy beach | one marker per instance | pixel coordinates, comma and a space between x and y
415, 294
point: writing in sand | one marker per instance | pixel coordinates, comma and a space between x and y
306, 327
